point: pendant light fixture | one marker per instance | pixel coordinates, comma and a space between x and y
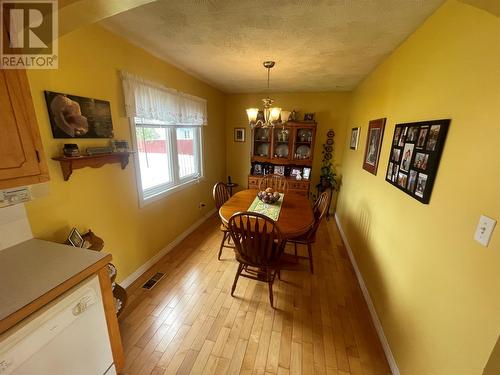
271, 114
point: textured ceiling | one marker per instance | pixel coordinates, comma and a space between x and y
317, 45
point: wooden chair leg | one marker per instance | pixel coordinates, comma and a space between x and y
270, 282
309, 250
226, 234
240, 267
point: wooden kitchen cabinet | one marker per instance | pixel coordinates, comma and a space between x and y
22, 160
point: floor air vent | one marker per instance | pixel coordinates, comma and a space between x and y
153, 280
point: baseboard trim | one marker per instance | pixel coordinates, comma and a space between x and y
146, 266
369, 302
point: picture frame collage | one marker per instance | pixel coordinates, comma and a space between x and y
416, 150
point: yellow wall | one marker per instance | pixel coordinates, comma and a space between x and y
331, 112
436, 291
105, 199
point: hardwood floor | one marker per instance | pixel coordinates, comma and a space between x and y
189, 323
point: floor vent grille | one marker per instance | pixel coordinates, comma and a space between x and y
153, 280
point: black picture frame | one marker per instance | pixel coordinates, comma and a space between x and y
416, 150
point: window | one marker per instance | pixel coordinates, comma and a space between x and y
169, 156
167, 127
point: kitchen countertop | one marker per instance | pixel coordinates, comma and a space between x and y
34, 268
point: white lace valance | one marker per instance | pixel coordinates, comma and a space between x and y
151, 101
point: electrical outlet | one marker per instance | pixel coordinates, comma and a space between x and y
201, 205
484, 230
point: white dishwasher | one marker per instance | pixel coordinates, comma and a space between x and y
69, 336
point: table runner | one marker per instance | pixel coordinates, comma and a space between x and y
272, 211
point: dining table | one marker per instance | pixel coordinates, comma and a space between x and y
295, 217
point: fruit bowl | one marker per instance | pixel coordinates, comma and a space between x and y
268, 196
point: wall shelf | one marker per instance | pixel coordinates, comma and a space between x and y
68, 164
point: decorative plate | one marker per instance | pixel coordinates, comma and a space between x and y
282, 151
303, 151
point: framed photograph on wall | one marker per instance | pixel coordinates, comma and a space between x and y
373, 144
73, 116
354, 138
415, 153
239, 134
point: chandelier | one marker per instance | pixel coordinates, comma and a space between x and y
271, 114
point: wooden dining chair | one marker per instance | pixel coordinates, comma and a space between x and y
320, 208
258, 248
221, 195
275, 181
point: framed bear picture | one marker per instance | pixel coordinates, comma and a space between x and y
416, 150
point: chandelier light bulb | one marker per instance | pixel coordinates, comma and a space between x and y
271, 114
252, 114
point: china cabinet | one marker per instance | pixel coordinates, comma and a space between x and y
286, 150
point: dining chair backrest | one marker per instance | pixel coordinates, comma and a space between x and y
257, 239
319, 210
321, 204
221, 194
274, 181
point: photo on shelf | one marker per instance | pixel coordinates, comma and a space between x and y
279, 169
257, 169
296, 172
308, 116
306, 173
75, 238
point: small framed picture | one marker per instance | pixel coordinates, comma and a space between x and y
75, 238
295, 172
279, 169
306, 173
257, 169
239, 134
373, 144
308, 116
354, 138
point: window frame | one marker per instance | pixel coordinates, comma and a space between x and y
153, 194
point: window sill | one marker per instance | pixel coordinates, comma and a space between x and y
156, 197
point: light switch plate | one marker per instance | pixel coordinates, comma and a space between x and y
484, 230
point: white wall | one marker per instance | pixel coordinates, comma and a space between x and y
14, 226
